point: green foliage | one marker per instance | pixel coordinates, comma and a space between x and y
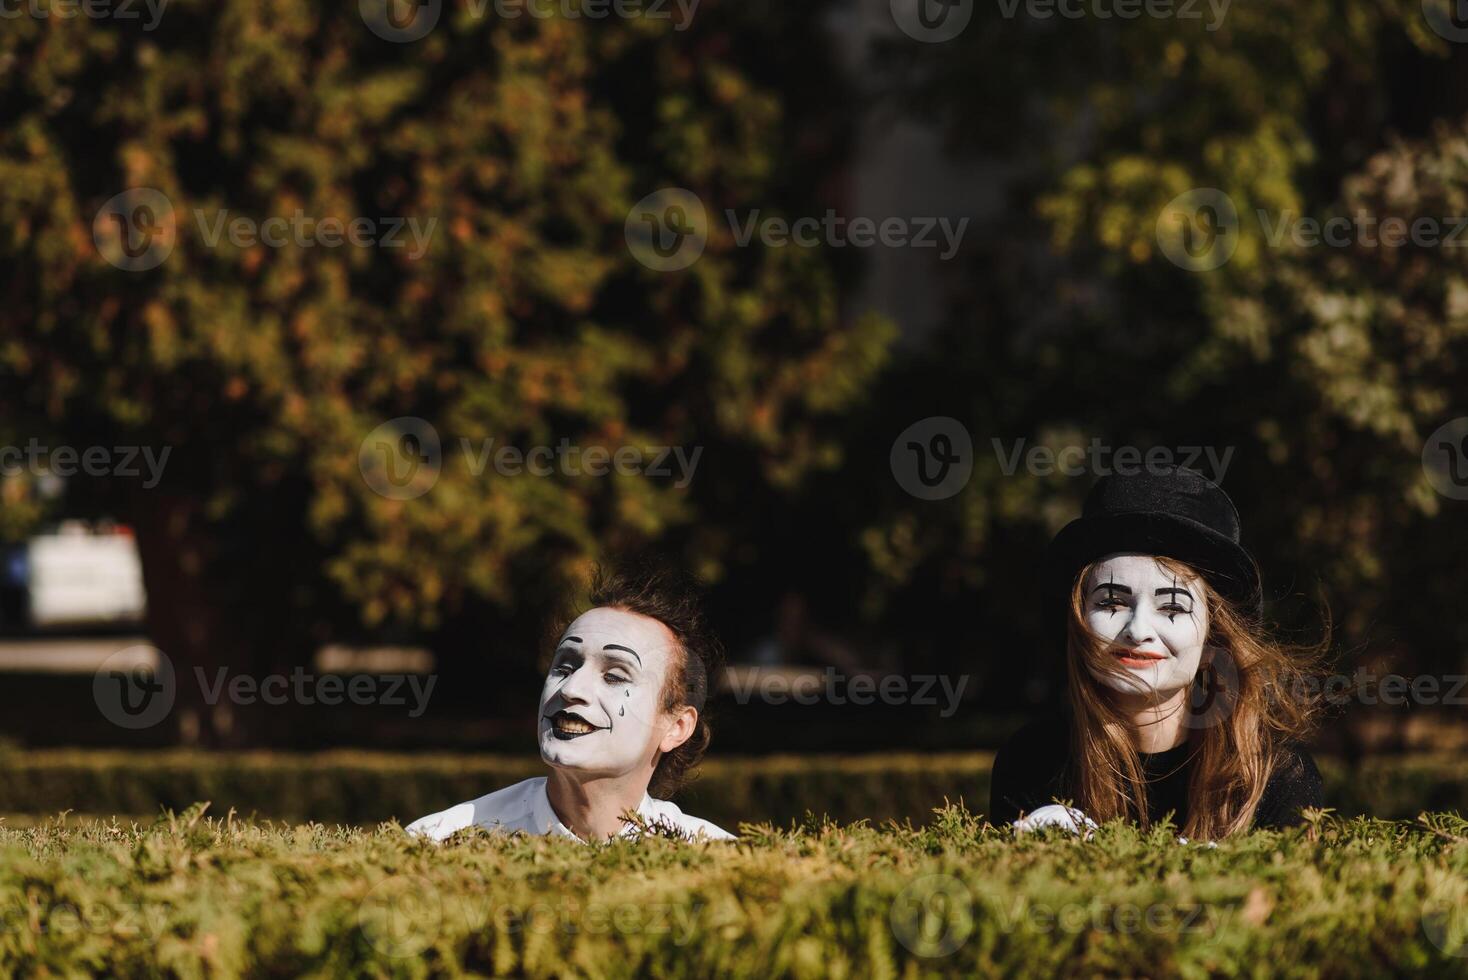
521, 144
527, 320
365, 787
195, 895
1323, 369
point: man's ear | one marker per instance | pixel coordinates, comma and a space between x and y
685, 722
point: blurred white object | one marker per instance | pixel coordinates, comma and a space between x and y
338, 658
1055, 815
80, 577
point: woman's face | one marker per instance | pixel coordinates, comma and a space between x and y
1154, 624
601, 706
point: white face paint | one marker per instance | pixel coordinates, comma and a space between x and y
601, 706
1154, 623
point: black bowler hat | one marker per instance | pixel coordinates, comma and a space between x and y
1173, 512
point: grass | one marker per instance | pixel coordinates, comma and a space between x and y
193, 896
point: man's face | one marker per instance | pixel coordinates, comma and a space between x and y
601, 706
1154, 622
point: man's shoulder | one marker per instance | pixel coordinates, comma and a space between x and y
507, 809
669, 813
513, 798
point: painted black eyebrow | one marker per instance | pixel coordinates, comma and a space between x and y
1174, 592
569, 639
618, 646
1112, 586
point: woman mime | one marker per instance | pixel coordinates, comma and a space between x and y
1179, 701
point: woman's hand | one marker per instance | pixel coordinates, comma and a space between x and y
1056, 815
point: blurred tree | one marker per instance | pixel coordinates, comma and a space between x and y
527, 319
1323, 369
517, 147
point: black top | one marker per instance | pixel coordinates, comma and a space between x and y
1030, 772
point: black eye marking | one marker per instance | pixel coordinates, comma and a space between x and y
1176, 591
1111, 589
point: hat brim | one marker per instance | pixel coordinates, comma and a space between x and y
1222, 562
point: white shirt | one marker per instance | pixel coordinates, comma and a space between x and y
525, 807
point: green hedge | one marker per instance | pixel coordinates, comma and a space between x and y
366, 788
192, 897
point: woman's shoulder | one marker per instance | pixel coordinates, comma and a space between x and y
1293, 785
1294, 766
1045, 738
1029, 767
1295, 759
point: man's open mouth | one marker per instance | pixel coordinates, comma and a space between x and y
566, 725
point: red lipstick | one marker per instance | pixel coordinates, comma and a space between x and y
1138, 658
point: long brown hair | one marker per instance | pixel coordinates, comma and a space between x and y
1251, 697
